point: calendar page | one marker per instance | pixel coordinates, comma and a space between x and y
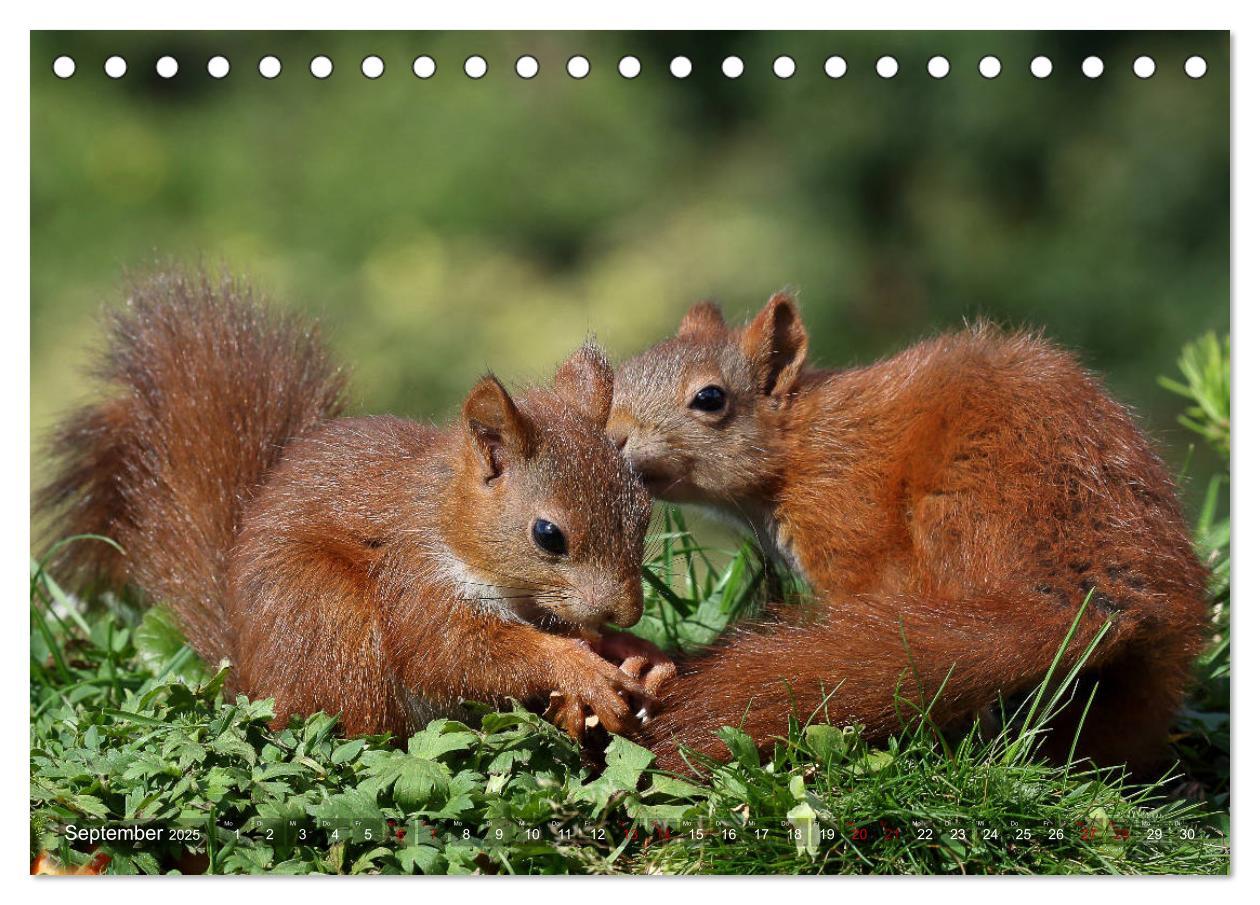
626, 453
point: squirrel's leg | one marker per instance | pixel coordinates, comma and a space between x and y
1135, 700
317, 650
482, 657
640, 659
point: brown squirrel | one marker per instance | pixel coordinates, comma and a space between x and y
951, 508
370, 566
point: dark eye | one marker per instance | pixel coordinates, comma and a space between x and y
710, 399
549, 538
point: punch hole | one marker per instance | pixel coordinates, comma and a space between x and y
1041, 67
835, 67
784, 67
990, 67
167, 67
423, 67
218, 67
629, 67
732, 67
1144, 67
526, 66
1092, 67
578, 67
269, 67
938, 67
475, 67
372, 67
886, 67
115, 67
680, 67
1196, 67
321, 67
63, 67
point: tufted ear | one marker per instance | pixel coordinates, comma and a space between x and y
497, 432
776, 344
585, 382
704, 319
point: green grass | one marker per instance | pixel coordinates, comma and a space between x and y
129, 726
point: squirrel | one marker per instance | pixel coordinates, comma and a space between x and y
951, 508
370, 567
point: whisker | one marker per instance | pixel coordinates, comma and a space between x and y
505, 597
742, 514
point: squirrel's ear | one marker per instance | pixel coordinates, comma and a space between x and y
704, 318
497, 431
775, 342
585, 382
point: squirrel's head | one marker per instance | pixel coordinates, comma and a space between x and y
549, 521
697, 416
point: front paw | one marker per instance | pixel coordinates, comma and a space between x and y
588, 686
640, 659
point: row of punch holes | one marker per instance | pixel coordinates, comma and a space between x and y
579, 67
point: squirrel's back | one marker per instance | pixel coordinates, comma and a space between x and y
1009, 442
205, 389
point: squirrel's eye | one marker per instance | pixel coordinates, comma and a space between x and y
549, 538
709, 399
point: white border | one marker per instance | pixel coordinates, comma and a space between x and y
663, 14
786, 15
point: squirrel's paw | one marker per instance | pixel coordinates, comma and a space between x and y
590, 686
567, 714
640, 659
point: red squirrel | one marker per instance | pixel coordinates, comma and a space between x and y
951, 508
371, 567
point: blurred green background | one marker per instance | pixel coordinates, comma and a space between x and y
443, 227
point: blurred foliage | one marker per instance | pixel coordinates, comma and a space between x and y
445, 226
1204, 366
1203, 729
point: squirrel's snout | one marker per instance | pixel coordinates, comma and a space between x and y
648, 453
632, 448
603, 599
625, 606
618, 430
627, 614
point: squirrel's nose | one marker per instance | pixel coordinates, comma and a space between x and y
628, 613
629, 606
619, 433
620, 426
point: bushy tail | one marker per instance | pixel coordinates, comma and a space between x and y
205, 389
852, 665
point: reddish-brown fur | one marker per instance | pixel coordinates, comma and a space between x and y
371, 567
951, 508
